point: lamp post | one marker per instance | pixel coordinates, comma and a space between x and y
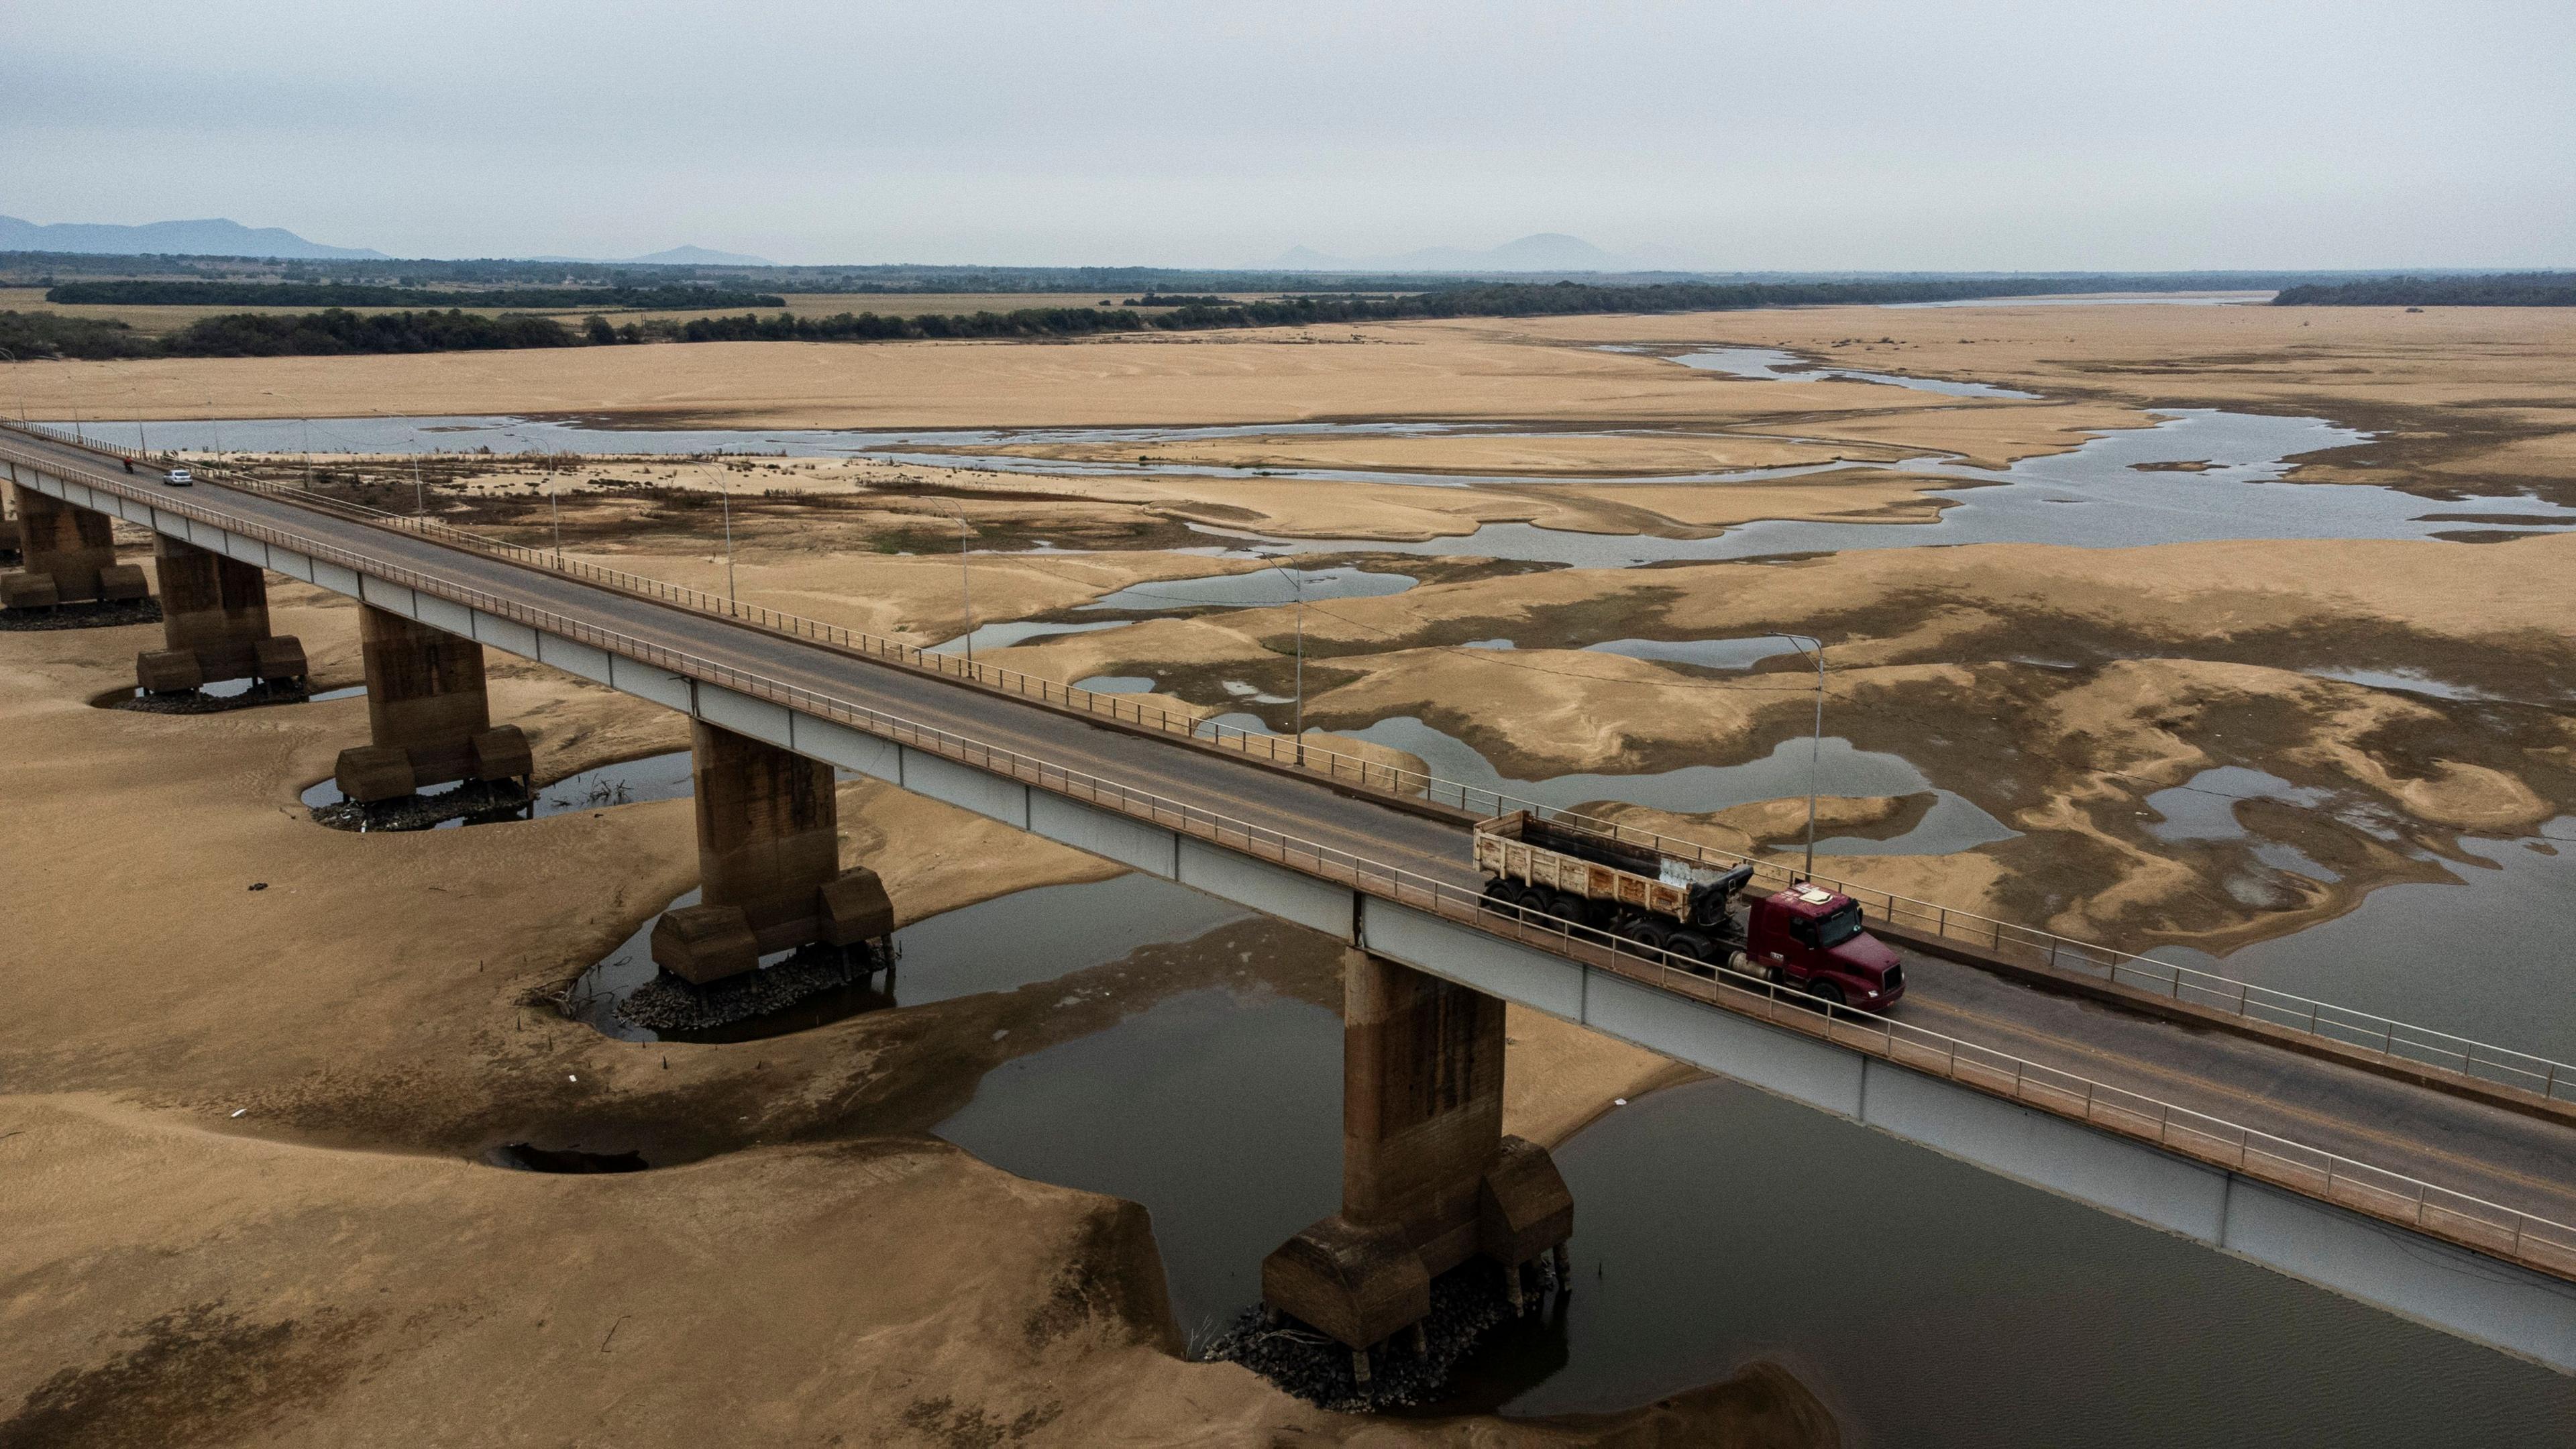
724, 490
1297, 586
1816, 744
419, 494
557, 510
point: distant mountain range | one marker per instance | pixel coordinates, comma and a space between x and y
215, 237
220, 237
675, 257
1548, 251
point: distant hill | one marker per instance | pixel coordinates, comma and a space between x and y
675, 257
1544, 252
700, 257
215, 237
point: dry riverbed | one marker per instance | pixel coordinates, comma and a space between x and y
253, 1064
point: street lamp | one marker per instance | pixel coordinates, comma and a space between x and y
1816, 746
724, 492
965, 578
557, 510
1297, 586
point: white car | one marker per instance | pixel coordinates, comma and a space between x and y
179, 478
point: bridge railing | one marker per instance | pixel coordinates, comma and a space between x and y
2349, 1027
2488, 1227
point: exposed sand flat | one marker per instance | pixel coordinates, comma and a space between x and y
2478, 395
1392, 371
2055, 687
1674, 451
333, 1260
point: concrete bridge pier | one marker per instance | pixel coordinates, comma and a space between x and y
214, 623
769, 866
1428, 1176
69, 557
428, 718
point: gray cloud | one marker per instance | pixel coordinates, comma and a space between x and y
1848, 135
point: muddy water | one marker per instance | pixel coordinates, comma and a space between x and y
1931, 1303
1265, 588
976, 948
2093, 496
655, 777
1943, 1305
1771, 364
1220, 1110
1952, 823
2483, 954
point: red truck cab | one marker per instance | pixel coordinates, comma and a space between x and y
1811, 938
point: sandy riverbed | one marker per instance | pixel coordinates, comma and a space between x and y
240, 1125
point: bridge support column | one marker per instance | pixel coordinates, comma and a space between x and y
1428, 1177
769, 863
214, 623
428, 719
69, 555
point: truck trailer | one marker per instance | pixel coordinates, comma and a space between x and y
1803, 935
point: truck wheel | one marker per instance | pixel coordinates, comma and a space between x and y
1826, 992
1647, 934
1532, 899
1693, 945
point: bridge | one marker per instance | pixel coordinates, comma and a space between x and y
2422, 1172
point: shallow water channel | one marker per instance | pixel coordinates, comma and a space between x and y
1952, 823
1938, 1304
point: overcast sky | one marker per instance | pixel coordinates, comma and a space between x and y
1757, 135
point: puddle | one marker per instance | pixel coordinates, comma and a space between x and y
2204, 808
1264, 588
1706, 653
2410, 681
1952, 824
655, 777
996, 945
1118, 683
1003, 636
1772, 364
2483, 954
527, 1157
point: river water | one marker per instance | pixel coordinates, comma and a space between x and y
1927, 1301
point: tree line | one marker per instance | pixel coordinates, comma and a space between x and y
2525, 289
339, 331
352, 294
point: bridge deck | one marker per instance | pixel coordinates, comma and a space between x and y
2518, 1160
